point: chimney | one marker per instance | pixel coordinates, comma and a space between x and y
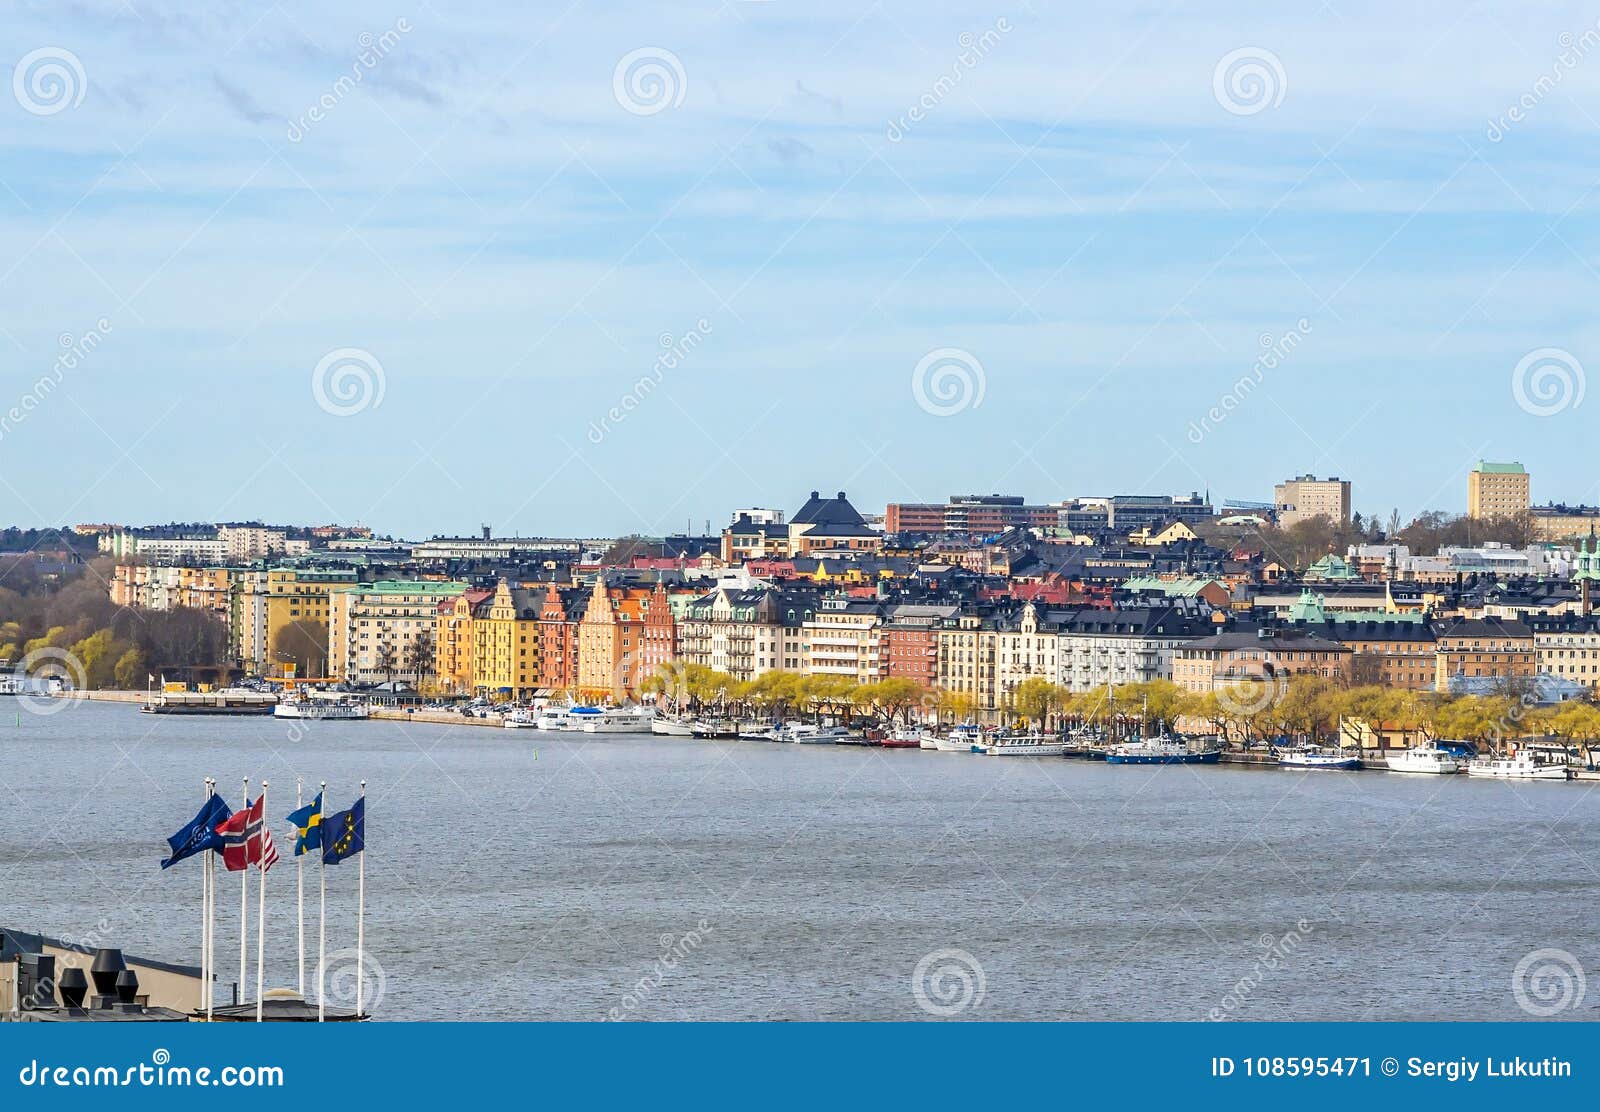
841, 496
485, 532
73, 985
107, 964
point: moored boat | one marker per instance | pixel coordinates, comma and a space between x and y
714, 728
906, 737
1160, 751
520, 720
1310, 757
664, 726
322, 709
1428, 759
619, 720
966, 738
1517, 766
803, 733
1025, 745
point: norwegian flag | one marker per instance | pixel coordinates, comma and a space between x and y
246, 841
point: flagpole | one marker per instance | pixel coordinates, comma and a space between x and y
300, 890
261, 896
322, 915
211, 921
244, 901
361, 908
205, 900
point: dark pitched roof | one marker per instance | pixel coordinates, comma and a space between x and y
830, 516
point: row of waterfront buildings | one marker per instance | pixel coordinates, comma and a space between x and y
830, 592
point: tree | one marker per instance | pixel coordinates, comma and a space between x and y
385, 662
419, 655
1036, 699
130, 671
304, 644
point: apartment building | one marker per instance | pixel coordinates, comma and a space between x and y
376, 630
1498, 490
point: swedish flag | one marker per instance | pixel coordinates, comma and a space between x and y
346, 833
308, 826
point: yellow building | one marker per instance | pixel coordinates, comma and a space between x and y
1498, 490
454, 641
384, 630
505, 643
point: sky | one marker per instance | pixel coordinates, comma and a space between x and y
582, 268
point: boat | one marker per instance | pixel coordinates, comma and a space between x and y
551, 718
521, 720
1025, 745
1518, 766
961, 739
713, 728
344, 710
663, 726
1426, 759
1310, 757
618, 720
753, 729
1160, 751
12, 685
210, 702
906, 737
804, 733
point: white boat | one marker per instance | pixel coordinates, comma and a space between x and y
713, 728
322, 709
1518, 766
1160, 751
551, 718
1314, 758
755, 730
1426, 759
1025, 745
521, 720
804, 733
962, 739
927, 739
619, 720
663, 726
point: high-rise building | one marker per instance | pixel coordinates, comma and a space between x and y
1498, 490
1305, 497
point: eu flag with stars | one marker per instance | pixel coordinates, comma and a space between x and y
200, 835
345, 833
307, 826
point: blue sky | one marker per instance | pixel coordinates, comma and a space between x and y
507, 225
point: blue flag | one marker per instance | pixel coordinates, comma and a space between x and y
346, 833
307, 826
201, 833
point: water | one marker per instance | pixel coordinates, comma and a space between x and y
518, 875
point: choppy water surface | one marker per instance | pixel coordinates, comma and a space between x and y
518, 875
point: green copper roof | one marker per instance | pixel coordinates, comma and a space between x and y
1500, 468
